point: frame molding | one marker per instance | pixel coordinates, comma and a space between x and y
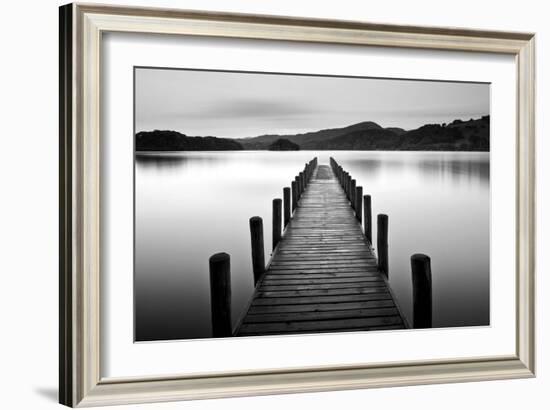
81, 28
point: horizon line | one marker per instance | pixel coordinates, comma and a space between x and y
314, 130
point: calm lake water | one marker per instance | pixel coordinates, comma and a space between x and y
191, 205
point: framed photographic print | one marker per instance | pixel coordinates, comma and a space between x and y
258, 205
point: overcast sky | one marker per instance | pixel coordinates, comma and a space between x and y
235, 105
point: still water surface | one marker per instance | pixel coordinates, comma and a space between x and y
191, 205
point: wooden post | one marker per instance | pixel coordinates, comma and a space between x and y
422, 291
220, 294
294, 195
287, 205
298, 189
347, 184
345, 181
276, 231
303, 181
257, 242
358, 202
352, 193
367, 212
382, 242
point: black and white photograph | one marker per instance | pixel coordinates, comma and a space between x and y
277, 204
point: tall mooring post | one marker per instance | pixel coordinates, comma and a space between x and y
382, 243
257, 244
220, 294
422, 290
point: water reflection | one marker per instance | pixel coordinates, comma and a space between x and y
373, 166
456, 169
160, 161
163, 160
438, 204
469, 166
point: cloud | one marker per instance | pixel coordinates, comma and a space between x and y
241, 109
258, 108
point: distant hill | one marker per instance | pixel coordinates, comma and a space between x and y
283, 145
309, 140
175, 141
471, 135
395, 130
372, 139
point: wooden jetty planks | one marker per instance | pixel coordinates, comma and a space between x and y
324, 276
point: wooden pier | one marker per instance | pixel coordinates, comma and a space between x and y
323, 275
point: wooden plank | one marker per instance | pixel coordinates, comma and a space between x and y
325, 241
291, 264
322, 260
317, 331
315, 255
319, 282
325, 249
275, 275
312, 316
288, 266
309, 258
376, 288
321, 299
337, 249
322, 324
320, 307
323, 270
315, 285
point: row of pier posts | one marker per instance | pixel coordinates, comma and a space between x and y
420, 263
362, 205
298, 186
220, 263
